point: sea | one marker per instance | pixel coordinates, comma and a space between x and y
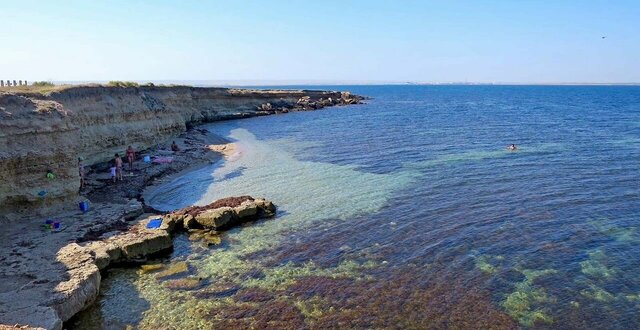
409, 212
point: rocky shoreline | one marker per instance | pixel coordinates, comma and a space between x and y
46, 277
42, 135
84, 261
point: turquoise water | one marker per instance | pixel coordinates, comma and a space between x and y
408, 212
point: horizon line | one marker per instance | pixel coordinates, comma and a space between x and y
294, 82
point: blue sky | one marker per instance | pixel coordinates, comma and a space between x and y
329, 41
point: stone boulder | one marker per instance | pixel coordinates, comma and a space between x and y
83, 284
266, 107
223, 213
215, 218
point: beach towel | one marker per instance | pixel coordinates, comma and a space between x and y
154, 223
162, 160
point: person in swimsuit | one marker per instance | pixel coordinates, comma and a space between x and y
512, 147
118, 162
113, 173
131, 154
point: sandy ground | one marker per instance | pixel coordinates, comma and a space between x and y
29, 271
228, 149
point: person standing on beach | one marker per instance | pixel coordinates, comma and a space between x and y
118, 162
113, 172
81, 172
131, 154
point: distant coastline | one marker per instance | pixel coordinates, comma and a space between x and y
296, 83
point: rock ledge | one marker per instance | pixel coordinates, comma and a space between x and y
84, 261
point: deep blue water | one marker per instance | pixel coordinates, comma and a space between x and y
412, 213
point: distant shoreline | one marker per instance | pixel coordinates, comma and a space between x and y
274, 83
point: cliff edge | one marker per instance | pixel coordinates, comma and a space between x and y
48, 132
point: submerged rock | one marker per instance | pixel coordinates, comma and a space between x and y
151, 268
174, 269
208, 237
189, 283
220, 290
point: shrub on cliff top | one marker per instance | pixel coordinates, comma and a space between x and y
117, 83
43, 84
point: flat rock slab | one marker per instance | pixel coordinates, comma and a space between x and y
43, 294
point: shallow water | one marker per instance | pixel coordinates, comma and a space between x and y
408, 212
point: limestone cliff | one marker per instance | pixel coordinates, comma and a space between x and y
41, 132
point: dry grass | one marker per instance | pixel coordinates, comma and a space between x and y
47, 89
35, 89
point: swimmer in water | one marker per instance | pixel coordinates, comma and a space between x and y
512, 147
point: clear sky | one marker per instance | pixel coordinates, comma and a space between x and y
337, 41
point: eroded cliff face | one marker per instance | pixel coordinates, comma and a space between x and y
49, 132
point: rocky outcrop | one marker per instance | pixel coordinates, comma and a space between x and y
83, 262
83, 285
48, 132
40, 271
223, 213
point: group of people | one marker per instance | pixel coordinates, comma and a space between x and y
117, 164
116, 170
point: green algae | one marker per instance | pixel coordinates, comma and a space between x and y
621, 234
313, 308
532, 275
596, 266
175, 303
484, 266
279, 278
522, 304
519, 305
632, 297
597, 293
488, 264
